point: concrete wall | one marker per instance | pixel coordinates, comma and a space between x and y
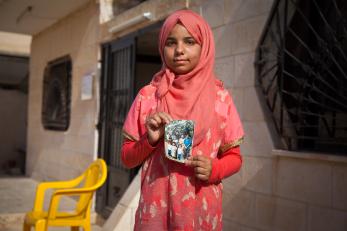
54, 154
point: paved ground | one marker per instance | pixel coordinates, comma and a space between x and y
19, 228
17, 197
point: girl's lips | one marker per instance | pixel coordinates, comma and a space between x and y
180, 61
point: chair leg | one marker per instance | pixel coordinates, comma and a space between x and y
75, 228
40, 225
26, 227
86, 227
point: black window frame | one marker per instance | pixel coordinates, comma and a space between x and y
301, 65
56, 100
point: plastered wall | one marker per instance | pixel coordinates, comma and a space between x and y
54, 154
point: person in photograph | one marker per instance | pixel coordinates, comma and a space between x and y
183, 196
187, 144
179, 151
173, 148
180, 140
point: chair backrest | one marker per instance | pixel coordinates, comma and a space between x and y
94, 177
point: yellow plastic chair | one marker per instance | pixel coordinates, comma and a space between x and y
83, 186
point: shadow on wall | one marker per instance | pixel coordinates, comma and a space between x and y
13, 125
284, 193
15, 166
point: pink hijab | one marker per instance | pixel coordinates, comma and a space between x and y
192, 95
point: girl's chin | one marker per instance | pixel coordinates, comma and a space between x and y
180, 70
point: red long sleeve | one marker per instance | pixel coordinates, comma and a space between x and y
135, 152
227, 164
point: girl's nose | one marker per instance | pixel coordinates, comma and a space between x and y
179, 48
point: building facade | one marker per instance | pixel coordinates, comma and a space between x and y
110, 49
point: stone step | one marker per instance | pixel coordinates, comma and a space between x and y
14, 222
11, 219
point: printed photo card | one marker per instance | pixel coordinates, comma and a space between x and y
179, 140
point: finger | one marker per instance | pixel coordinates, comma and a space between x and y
195, 163
201, 158
200, 170
201, 177
203, 161
152, 122
165, 117
157, 117
188, 163
192, 163
168, 116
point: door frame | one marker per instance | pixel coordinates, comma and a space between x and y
101, 195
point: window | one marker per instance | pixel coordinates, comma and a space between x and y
57, 94
302, 69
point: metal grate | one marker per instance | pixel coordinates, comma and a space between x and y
117, 93
121, 98
57, 95
302, 69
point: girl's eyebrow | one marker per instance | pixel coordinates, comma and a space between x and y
173, 38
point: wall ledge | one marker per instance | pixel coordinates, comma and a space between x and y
159, 10
309, 156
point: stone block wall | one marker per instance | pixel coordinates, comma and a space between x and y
272, 191
54, 154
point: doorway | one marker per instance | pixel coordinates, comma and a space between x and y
128, 64
14, 75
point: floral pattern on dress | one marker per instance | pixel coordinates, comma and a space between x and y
171, 197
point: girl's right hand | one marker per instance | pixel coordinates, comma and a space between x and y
155, 124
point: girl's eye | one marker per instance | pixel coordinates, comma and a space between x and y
169, 43
190, 42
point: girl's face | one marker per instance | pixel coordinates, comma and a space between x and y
181, 51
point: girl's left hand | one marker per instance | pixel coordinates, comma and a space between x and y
202, 166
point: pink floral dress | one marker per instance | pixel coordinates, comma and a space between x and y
171, 197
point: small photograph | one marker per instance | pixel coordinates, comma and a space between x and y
179, 140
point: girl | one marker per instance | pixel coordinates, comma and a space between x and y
176, 196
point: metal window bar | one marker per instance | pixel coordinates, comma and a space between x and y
120, 100
301, 65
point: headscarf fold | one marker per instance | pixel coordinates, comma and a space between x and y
192, 95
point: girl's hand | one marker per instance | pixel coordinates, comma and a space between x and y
202, 166
155, 126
